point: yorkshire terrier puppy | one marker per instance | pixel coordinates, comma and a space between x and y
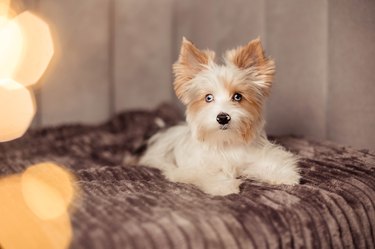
223, 140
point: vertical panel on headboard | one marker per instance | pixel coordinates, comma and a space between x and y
76, 87
218, 24
351, 95
142, 54
196, 20
241, 21
297, 39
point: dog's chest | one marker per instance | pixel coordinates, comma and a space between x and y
223, 159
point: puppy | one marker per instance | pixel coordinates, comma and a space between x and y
223, 140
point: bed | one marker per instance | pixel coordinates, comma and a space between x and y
127, 206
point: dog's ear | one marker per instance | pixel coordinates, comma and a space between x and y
190, 62
252, 59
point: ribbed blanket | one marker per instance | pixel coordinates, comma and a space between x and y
126, 206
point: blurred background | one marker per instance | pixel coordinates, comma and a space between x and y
116, 55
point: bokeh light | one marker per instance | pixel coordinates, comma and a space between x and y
4, 11
23, 223
37, 49
47, 189
17, 109
11, 49
26, 49
34, 205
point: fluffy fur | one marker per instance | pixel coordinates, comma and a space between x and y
213, 152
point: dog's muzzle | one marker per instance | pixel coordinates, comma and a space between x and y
223, 118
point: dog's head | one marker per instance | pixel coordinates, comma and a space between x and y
224, 102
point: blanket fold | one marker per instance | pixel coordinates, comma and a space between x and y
126, 206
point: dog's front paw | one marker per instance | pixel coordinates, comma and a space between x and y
288, 177
274, 173
214, 184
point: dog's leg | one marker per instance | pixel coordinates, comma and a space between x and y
274, 165
214, 184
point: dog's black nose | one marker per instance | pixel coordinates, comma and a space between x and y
223, 118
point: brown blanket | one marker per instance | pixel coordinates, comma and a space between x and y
126, 206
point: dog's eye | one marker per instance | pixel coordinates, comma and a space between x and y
237, 97
209, 98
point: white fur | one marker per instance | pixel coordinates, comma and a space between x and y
215, 170
216, 160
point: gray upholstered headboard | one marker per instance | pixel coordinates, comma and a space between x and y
113, 55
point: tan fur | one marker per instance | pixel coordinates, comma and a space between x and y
247, 130
190, 62
250, 126
251, 57
193, 108
251, 102
196, 105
